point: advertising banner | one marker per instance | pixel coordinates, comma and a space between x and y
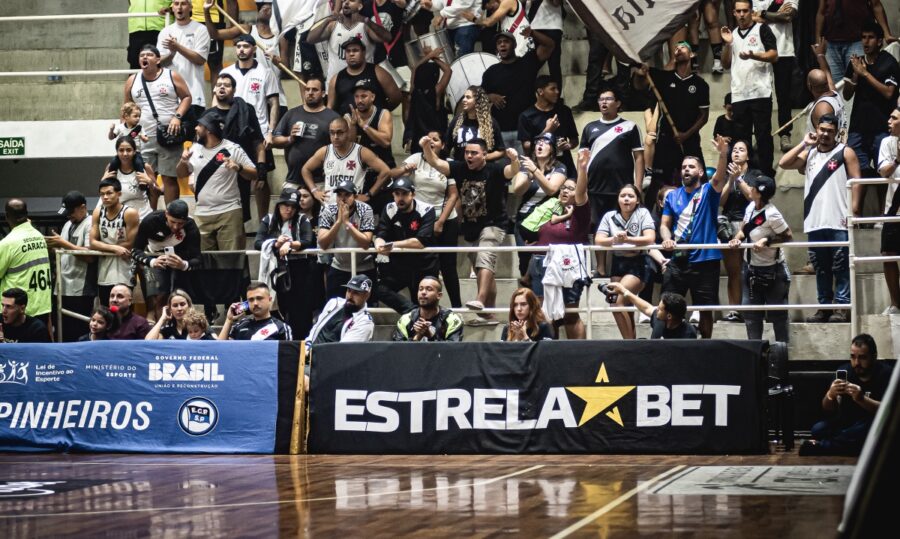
548, 397
148, 396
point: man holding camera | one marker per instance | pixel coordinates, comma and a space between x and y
259, 325
666, 319
851, 402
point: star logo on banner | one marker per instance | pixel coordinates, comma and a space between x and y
351, 165
618, 129
832, 165
600, 398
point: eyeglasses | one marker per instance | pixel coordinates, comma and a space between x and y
606, 99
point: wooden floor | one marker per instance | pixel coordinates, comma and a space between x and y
392, 496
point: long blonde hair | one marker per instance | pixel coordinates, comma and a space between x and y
482, 114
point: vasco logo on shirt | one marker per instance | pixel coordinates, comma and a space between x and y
255, 86
198, 416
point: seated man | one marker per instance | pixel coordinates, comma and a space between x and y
666, 319
18, 326
407, 224
260, 326
851, 402
429, 321
132, 327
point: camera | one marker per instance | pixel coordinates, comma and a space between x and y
611, 297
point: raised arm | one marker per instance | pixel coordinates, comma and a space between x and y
431, 158
796, 158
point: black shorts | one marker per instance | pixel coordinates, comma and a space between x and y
890, 238
701, 279
632, 265
216, 48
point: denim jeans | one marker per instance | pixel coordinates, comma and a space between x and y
464, 39
866, 146
838, 56
832, 265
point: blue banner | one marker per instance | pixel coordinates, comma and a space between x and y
142, 396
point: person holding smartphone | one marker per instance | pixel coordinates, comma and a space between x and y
252, 320
851, 402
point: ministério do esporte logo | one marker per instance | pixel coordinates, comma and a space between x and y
198, 416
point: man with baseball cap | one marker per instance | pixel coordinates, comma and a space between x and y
345, 319
405, 224
78, 284
342, 85
346, 223
372, 127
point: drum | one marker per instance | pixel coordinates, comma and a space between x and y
467, 71
416, 48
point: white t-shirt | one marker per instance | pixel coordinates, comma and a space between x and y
194, 36
784, 31
451, 11
829, 207
220, 193
122, 130
77, 277
255, 85
165, 99
640, 220
431, 185
772, 224
271, 44
548, 17
751, 79
888, 154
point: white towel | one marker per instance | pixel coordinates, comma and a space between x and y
564, 264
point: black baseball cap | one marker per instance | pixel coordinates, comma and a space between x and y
353, 41
244, 38
364, 84
72, 200
212, 121
507, 35
549, 138
403, 183
764, 184
360, 283
289, 196
346, 185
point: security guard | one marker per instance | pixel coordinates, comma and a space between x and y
25, 262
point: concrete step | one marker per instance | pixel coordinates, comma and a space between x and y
93, 58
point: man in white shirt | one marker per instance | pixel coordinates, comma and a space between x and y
214, 166
184, 46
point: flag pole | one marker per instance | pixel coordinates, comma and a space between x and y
279, 64
662, 106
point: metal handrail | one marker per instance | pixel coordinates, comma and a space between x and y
80, 16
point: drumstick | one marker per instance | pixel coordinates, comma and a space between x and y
279, 64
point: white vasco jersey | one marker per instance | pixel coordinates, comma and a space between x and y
165, 99
342, 168
339, 36
750, 79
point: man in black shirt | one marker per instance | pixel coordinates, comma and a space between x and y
548, 115
18, 326
873, 80
483, 189
686, 96
260, 326
666, 319
405, 224
303, 130
342, 86
851, 402
507, 85
429, 321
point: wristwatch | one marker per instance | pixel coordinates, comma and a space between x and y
178, 115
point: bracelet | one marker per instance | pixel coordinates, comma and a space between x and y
820, 54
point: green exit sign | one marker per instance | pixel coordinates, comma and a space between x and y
12, 146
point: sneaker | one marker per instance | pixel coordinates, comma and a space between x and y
892, 309
648, 177
475, 305
805, 270
479, 322
820, 317
840, 316
695, 317
786, 144
733, 316
643, 319
717, 68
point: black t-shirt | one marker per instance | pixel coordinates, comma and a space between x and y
170, 331
456, 146
533, 121
724, 127
483, 196
345, 86
870, 108
31, 330
515, 81
660, 331
315, 135
688, 96
736, 205
241, 125
612, 159
545, 333
390, 16
251, 329
418, 223
848, 411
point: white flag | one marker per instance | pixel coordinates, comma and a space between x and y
299, 14
632, 29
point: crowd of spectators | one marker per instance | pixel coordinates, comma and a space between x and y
344, 187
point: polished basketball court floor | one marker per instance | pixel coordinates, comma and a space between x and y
63, 495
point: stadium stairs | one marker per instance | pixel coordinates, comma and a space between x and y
100, 44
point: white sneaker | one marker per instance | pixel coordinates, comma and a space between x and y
695, 317
643, 319
892, 309
717, 68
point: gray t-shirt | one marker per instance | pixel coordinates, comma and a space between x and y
315, 136
79, 278
364, 220
613, 223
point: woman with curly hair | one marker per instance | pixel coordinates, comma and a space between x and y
526, 319
473, 121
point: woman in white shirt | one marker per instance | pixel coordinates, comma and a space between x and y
139, 189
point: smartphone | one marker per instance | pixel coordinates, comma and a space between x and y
242, 307
169, 250
840, 374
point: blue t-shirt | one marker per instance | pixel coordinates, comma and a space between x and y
704, 204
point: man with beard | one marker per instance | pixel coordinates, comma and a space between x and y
345, 319
346, 223
257, 85
342, 85
303, 130
215, 166
171, 101
548, 115
184, 46
259, 325
508, 83
851, 402
405, 224
241, 126
483, 189
372, 127
18, 326
690, 217
344, 24
429, 321
132, 327
827, 165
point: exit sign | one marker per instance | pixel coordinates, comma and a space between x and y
10, 146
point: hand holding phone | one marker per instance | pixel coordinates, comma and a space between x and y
169, 250
841, 374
